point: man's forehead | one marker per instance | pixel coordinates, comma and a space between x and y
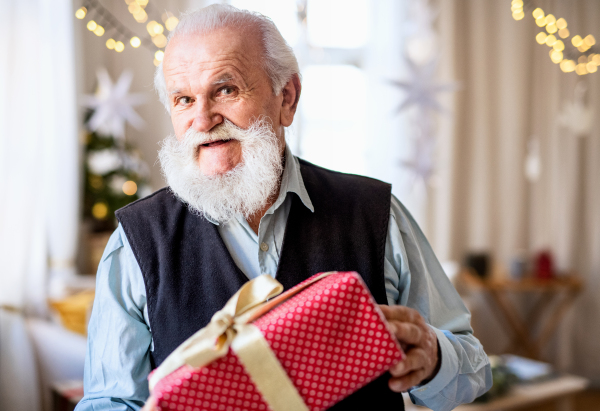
225, 48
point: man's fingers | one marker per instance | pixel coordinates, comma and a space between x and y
407, 333
415, 359
401, 313
406, 382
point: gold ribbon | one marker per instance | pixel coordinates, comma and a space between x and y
231, 326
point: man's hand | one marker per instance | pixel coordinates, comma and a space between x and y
420, 344
150, 405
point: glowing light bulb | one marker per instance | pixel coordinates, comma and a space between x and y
159, 41
567, 66
518, 15
129, 187
135, 42
591, 67
81, 12
563, 33
159, 55
550, 19
158, 29
596, 59
99, 211
541, 21
141, 16
119, 46
550, 40
556, 56
582, 60
150, 27
171, 23
99, 31
538, 13
134, 8
559, 45
91, 25
551, 28
110, 44
541, 37
561, 23
580, 69
577, 40
589, 40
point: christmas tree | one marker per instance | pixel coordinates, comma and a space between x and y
114, 171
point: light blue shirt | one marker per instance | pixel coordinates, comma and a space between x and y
119, 332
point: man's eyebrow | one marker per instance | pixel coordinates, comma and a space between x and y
222, 79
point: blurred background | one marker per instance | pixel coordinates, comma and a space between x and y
482, 114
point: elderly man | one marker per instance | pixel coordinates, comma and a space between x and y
238, 205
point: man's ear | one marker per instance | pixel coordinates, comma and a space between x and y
291, 95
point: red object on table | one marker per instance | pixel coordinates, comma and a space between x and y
544, 267
331, 339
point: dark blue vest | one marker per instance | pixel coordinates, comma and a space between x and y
189, 273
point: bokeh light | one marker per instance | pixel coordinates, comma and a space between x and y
135, 42
564, 33
81, 12
538, 13
100, 211
541, 37
130, 188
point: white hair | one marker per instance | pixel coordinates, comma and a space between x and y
279, 61
245, 189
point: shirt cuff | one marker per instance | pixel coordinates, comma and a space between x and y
446, 373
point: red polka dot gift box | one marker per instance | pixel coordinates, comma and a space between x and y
315, 345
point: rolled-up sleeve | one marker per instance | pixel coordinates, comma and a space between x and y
119, 340
415, 278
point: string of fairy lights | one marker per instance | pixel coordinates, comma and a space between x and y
579, 55
101, 21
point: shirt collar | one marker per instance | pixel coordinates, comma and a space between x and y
292, 182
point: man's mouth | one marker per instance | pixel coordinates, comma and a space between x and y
215, 143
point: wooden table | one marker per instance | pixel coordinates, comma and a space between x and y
553, 298
560, 390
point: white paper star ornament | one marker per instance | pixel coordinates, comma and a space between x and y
113, 105
422, 87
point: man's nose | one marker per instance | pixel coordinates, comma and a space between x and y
205, 116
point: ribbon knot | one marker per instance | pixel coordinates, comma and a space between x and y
224, 320
212, 342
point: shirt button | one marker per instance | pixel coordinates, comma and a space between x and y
264, 246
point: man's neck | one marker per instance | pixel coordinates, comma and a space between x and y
254, 219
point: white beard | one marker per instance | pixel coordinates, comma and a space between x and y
245, 189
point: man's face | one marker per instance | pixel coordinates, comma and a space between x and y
215, 76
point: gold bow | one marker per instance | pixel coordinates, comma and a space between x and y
232, 326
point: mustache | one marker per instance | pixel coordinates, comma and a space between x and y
223, 132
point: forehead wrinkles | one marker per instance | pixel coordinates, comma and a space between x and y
193, 54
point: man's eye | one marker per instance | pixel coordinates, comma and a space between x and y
226, 91
184, 101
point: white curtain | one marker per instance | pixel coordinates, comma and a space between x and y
38, 179
512, 93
